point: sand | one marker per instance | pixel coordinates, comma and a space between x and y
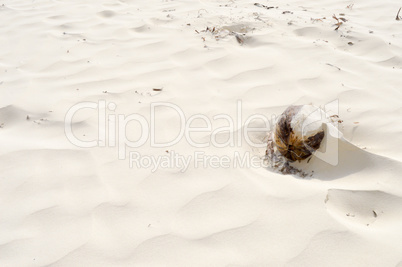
66, 205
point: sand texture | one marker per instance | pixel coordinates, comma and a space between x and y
64, 205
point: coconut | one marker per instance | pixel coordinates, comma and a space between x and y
299, 131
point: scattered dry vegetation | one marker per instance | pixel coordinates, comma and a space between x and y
219, 33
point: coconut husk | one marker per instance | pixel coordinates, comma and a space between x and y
294, 146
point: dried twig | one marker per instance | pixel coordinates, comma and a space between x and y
264, 6
239, 38
397, 15
339, 22
333, 66
316, 20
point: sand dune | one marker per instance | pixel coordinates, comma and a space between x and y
65, 205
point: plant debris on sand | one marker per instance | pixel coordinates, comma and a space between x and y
278, 162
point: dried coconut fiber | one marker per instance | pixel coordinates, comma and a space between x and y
299, 131
297, 134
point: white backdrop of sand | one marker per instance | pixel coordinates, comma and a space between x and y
62, 205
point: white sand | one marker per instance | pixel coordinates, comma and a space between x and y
62, 205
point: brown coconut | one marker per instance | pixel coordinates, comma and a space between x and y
299, 131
